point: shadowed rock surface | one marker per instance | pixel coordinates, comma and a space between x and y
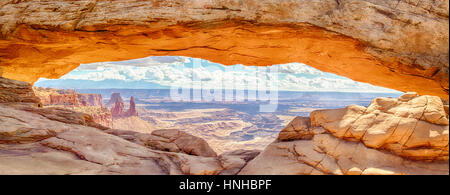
16, 91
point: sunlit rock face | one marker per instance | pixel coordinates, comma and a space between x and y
91, 104
408, 135
396, 44
50, 96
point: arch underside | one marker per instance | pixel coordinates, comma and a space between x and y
403, 45
39, 52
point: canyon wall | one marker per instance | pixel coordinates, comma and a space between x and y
91, 104
402, 44
50, 96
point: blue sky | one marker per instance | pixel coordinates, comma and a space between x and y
176, 71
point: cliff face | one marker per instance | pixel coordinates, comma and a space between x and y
396, 44
91, 104
90, 99
132, 110
17, 92
67, 97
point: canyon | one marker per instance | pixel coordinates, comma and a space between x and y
405, 135
112, 116
36, 140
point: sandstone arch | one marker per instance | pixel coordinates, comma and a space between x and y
402, 44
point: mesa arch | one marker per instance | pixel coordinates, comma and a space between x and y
402, 45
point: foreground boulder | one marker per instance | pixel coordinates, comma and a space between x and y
234, 161
408, 135
415, 127
170, 140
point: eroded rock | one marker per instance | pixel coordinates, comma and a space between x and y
408, 135
232, 162
326, 154
186, 142
12, 91
170, 140
413, 126
63, 147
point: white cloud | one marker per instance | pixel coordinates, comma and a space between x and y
174, 71
298, 68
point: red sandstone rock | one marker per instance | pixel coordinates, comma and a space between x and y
64, 99
341, 141
69, 97
91, 104
16, 91
114, 98
408, 135
90, 99
132, 110
118, 110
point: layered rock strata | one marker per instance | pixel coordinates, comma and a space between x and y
91, 104
12, 91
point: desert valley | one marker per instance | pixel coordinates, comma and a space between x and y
225, 126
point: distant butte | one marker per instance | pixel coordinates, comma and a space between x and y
118, 110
